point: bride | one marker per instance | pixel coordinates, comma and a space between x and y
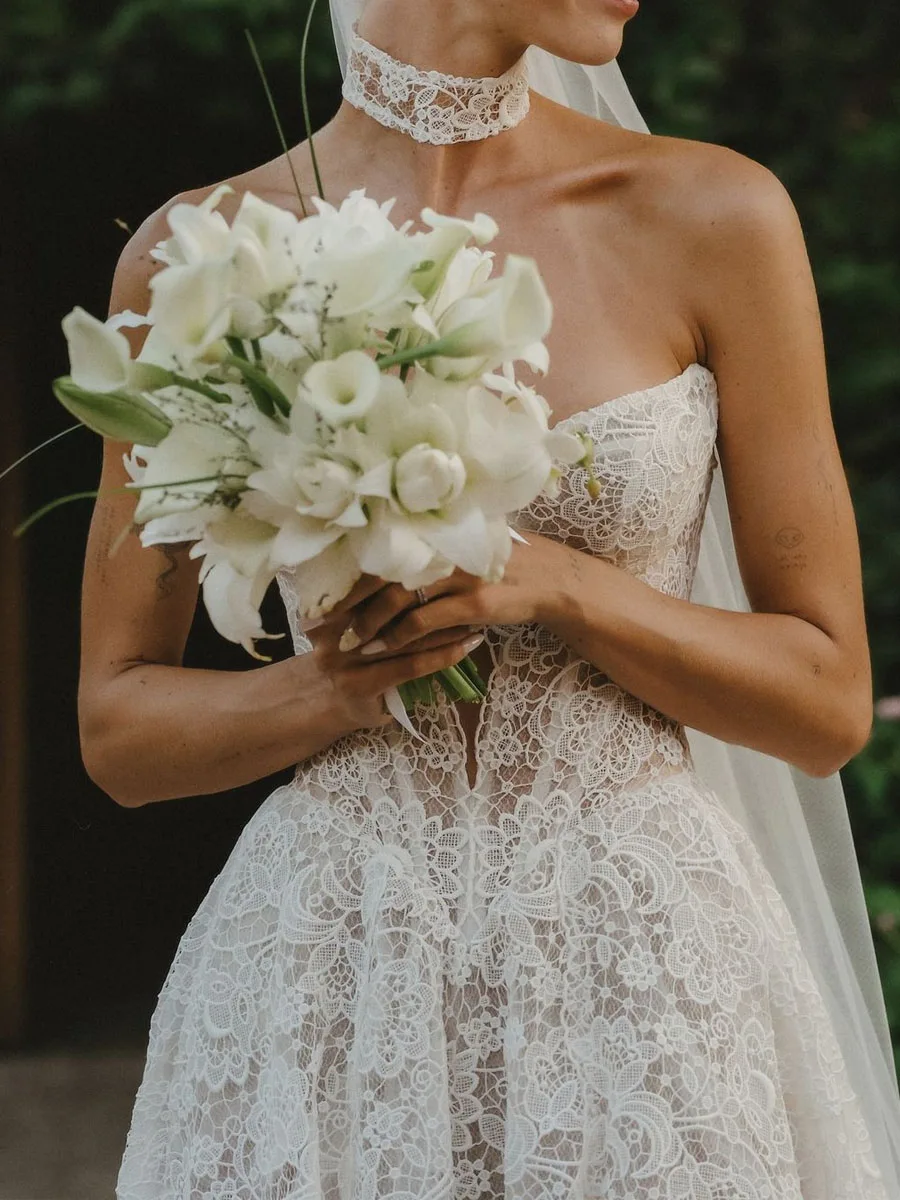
556, 946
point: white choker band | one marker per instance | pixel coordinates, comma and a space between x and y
429, 105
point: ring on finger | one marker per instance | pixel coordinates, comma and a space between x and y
420, 595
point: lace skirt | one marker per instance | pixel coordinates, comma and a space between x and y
573, 1000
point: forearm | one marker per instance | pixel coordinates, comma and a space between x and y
162, 732
770, 681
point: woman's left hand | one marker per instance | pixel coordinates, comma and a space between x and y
532, 588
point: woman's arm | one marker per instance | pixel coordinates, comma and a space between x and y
793, 677
152, 729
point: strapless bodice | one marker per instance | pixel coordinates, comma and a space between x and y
552, 720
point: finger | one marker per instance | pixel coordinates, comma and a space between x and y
439, 637
386, 606
365, 586
403, 668
412, 626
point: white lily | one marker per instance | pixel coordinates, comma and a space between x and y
198, 231
99, 354
235, 575
394, 549
191, 305
189, 452
322, 582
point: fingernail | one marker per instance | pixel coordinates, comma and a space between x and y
350, 639
472, 642
374, 647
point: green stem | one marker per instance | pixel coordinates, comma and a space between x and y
262, 386
132, 487
412, 354
275, 116
34, 449
453, 678
195, 385
305, 101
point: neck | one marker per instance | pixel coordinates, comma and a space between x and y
456, 44
436, 139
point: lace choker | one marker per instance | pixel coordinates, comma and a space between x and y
429, 105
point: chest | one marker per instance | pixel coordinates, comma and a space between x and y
653, 461
619, 310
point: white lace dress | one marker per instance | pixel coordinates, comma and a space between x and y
574, 980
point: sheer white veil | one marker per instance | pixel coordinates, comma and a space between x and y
799, 823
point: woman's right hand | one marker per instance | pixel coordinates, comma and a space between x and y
356, 683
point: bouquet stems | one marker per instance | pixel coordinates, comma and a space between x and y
460, 682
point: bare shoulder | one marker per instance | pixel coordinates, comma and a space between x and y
721, 202
136, 265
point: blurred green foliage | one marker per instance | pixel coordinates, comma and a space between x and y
811, 89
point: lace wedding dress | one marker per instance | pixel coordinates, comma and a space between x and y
575, 979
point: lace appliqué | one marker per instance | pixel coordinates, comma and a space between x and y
429, 105
575, 981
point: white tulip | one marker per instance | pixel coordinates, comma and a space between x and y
428, 479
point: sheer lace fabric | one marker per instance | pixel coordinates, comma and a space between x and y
429, 105
575, 979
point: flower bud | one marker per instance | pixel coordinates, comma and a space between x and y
427, 479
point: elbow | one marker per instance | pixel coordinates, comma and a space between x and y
97, 738
843, 741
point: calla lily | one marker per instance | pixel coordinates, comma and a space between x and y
439, 248
505, 318
345, 388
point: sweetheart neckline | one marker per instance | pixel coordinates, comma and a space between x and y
638, 393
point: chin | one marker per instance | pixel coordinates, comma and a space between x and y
591, 46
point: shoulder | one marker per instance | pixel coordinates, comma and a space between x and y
136, 265
718, 201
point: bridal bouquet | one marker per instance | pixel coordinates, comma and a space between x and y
334, 395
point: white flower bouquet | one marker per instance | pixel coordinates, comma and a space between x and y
334, 395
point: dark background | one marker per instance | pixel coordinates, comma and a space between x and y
108, 111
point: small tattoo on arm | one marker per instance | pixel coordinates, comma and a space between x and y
164, 583
790, 539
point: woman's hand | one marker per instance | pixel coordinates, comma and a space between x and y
386, 617
353, 685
